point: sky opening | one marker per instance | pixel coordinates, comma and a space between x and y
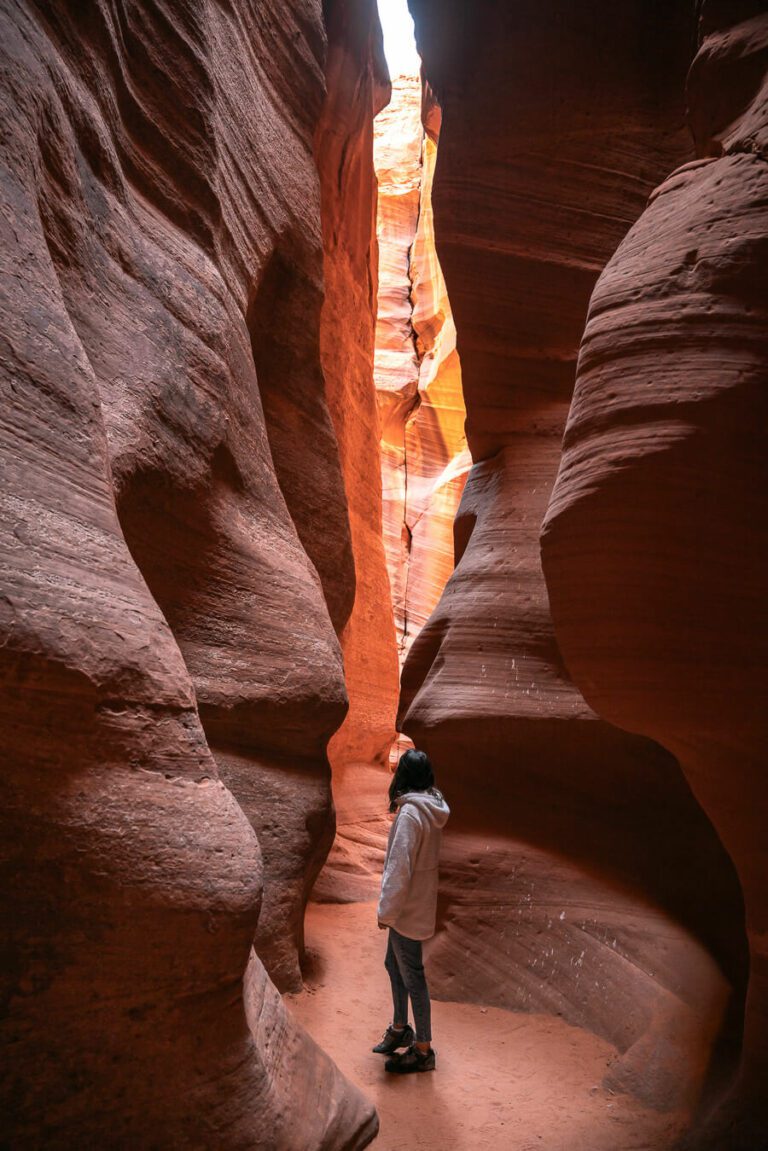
399, 39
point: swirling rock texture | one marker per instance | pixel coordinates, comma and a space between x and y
655, 545
425, 459
424, 464
164, 630
436, 456
358, 87
581, 876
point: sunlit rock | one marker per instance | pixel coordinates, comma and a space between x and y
418, 374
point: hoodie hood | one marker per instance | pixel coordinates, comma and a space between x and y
430, 805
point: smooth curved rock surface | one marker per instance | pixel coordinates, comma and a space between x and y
358, 87
583, 843
553, 881
154, 162
425, 459
423, 453
655, 544
557, 122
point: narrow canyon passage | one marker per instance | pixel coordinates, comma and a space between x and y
423, 453
555, 900
540, 912
351, 400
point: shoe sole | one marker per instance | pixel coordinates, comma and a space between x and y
409, 1070
392, 1050
397, 1067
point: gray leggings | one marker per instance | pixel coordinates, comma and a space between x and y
406, 974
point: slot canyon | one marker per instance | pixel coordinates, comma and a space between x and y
273, 509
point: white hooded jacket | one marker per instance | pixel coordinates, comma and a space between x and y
408, 899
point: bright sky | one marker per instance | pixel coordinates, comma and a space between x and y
399, 43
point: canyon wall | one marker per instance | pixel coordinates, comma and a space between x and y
655, 545
398, 151
176, 550
424, 453
358, 87
581, 877
423, 460
344, 151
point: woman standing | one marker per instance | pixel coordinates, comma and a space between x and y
408, 906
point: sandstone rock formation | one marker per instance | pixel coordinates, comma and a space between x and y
424, 459
655, 544
161, 211
417, 371
575, 875
358, 86
398, 149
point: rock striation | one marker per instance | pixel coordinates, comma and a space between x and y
574, 873
358, 87
423, 460
169, 665
398, 152
655, 544
417, 370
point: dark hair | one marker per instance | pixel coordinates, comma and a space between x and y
413, 773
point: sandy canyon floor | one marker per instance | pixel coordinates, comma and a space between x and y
504, 1082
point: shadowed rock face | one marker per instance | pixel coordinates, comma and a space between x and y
358, 86
576, 867
655, 544
564, 115
157, 172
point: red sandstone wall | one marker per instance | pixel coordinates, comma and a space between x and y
580, 874
170, 472
422, 456
425, 459
398, 148
655, 544
358, 86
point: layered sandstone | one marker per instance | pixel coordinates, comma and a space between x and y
581, 875
358, 87
417, 371
655, 544
169, 462
423, 461
398, 147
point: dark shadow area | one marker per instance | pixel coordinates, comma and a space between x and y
283, 321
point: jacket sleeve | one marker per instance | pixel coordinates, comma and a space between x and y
398, 870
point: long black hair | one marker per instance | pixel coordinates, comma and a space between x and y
413, 773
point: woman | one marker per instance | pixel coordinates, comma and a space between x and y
408, 907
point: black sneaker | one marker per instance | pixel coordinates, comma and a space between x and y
411, 1060
392, 1039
